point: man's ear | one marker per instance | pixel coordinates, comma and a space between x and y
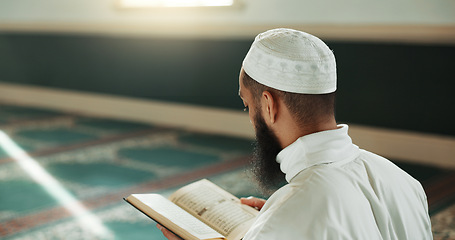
269, 106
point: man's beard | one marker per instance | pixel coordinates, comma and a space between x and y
263, 164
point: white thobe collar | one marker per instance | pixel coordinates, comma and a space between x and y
318, 148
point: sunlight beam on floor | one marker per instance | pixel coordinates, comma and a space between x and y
85, 218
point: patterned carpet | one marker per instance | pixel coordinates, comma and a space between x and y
77, 169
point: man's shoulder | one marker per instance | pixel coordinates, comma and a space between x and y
382, 169
314, 189
354, 182
324, 180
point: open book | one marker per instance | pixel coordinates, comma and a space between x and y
200, 210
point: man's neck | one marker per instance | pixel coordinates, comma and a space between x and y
292, 133
330, 124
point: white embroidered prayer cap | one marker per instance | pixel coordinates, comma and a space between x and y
291, 61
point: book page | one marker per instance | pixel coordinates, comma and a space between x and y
217, 208
169, 214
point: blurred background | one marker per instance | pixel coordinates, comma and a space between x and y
77, 76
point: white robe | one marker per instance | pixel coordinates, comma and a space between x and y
337, 191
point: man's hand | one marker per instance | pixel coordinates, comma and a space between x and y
167, 234
257, 203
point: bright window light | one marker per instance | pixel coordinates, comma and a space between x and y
175, 3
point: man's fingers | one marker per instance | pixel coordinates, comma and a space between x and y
167, 234
257, 203
159, 226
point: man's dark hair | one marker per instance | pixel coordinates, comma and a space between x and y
305, 108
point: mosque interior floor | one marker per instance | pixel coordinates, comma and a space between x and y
51, 161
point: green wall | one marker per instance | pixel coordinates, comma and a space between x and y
387, 85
